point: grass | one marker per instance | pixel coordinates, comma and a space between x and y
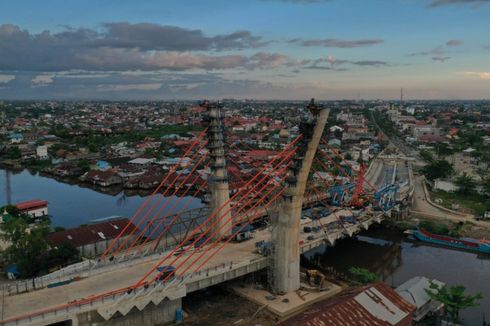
474, 202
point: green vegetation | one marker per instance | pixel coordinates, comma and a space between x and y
437, 169
466, 184
426, 156
474, 201
442, 229
29, 249
34, 164
13, 153
453, 298
434, 227
361, 276
384, 123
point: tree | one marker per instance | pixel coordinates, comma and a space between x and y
28, 245
427, 156
466, 184
362, 276
453, 298
438, 169
13, 153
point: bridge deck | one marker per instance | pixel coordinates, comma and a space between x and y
235, 253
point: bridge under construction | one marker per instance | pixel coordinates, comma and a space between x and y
145, 272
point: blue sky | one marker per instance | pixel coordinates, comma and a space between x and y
264, 49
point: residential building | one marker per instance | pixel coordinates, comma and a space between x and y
34, 208
93, 239
42, 152
374, 304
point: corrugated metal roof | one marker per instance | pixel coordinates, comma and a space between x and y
35, 203
413, 290
91, 233
371, 305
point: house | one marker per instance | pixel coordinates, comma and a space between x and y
42, 152
102, 165
16, 138
374, 304
34, 208
102, 178
334, 142
93, 239
334, 129
140, 161
414, 292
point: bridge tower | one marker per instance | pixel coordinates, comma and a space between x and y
285, 231
218, 180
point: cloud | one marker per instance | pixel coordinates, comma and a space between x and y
439, 3
454, 43
334, 63
4, 79
440, 58
335, 43
42, 80
122, 46
148, 36
127, 87
435, 51
483, 75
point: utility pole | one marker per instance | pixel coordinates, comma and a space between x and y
8, 190
401, 99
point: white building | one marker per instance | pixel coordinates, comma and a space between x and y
34, 208
42, 152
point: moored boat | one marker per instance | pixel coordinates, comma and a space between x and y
482, 246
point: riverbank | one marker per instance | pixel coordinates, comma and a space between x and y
477, 230
396, 259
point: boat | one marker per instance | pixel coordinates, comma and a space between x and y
482, 246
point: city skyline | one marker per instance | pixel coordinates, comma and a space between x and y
265, 49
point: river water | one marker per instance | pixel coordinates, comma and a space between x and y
71, 205
397, 259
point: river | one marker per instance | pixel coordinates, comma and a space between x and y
397, 259
71, 205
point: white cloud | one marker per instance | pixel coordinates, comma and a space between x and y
482, 74
42, 80
6, 78
127, 87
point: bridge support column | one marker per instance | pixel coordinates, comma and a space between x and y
218, 182
285, 267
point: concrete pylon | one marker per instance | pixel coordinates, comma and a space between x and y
285, 231
218, 181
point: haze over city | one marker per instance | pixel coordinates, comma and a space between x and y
261, 49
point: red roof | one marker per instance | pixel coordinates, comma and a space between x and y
31, 204
92, 233
374, 305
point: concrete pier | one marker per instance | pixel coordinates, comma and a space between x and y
285, 260
218, 181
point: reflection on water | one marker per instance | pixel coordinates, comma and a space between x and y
71, 204
397, 259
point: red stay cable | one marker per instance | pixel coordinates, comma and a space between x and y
163, 195
142, 233
145, 203
214, 215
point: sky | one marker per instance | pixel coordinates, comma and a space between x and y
244, 49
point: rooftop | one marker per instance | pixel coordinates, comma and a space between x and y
92, 233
